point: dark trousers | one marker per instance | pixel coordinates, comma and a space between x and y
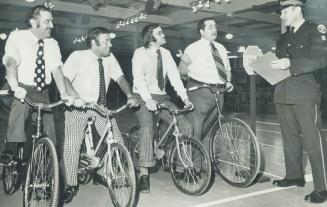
305, 119
145, 119
20, 112
204, 102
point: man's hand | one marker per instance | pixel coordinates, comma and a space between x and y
78, 102
188, 104
151, 105
132, 101
281, 64
229, 86
19, 93
69, 99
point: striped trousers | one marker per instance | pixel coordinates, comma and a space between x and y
75, 124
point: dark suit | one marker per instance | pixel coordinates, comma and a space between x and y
297, 101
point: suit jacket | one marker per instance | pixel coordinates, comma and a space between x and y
307, 51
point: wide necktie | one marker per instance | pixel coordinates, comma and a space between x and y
219, 62
102, 84
39, 77
160, 77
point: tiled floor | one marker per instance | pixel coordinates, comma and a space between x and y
165, 194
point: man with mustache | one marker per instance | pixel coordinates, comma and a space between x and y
205, 61
31, 57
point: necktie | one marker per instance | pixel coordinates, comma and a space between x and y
160, 77
219, 62
102, 85
39, 78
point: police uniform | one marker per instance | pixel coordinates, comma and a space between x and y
297, 101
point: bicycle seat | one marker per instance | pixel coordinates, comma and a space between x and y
163, 106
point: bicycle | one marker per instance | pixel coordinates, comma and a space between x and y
111, 154
233, 147
185, 157
40, 179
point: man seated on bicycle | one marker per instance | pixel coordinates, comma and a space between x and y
31, 57
205, 61
152, 66
88, 73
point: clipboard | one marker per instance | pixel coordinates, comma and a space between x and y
262, 67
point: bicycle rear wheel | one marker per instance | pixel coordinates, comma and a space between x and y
10, 179
121, 176
235, 152
194, 178
42, 178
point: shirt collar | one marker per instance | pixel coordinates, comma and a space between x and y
298, 25
205, 41
34, 39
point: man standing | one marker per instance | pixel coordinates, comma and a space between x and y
88, 74
152, 66
31, 57
302, 50
205, 61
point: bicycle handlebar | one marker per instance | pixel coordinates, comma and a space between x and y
163, 106
208, 86
35, 104
102, 110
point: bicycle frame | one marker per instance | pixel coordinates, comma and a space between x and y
107, 137
176, 133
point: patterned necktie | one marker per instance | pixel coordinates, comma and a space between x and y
39, 78
161, 80
219, 62
102, 85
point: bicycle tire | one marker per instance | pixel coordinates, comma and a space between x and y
42, 177
122, 183
235, 152
132, 145
10, 179
195, 179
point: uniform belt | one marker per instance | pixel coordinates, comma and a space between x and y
217, 85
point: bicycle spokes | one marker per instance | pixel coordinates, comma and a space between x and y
235, 152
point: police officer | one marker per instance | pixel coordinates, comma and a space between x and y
303, 51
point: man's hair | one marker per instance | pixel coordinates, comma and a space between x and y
93, 34
201, 24
147, 34
34, 13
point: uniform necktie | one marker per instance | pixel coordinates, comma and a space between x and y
160, 77
102, 85
39, 78
219, 62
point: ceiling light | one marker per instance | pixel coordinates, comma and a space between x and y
218, 1
3, 36
200, 5
207, 4
229, 36
29, 1
194, 9
228, 1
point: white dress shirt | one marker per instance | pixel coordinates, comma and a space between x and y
203, 67
145, 81
22, 45
82, 69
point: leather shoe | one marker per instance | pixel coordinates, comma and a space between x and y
316, 197
99, 180
289, 182
144, 184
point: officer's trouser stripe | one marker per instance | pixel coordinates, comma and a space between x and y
321, 147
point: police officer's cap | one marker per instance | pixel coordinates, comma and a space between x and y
287, 3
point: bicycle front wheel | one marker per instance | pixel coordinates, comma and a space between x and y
235, 152
121, 176
42, 178
191, 168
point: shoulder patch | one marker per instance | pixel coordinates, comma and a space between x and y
322, 29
